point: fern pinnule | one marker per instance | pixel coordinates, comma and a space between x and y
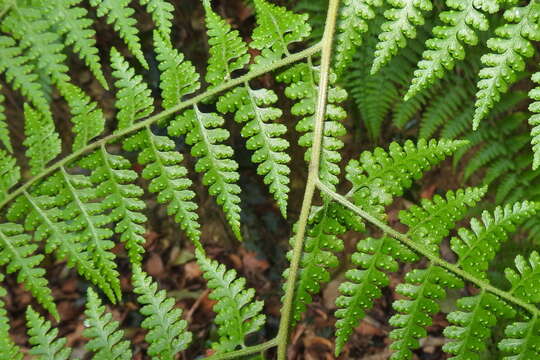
205, 134
105, 336
534, 120
167, 333
521, 340
17, 252
510, 46
10, 173
71, 21
4, 131
120, 15
8, 349
162, 14
238, 314
43, 338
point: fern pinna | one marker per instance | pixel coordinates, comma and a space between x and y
78, 197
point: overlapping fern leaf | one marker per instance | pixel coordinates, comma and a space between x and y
8, 349
46, 345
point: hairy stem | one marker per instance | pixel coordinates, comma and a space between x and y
313, 175
434, 258
160, 116
246, 351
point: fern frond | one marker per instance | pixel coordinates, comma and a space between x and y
205, 134
20, 72
105, 337
4, 131
40, 43
424, 287
43, 338
276, 29
178, 77
354, 16
42, 141
509, 48
8, 349
459, 28
534, 120
10, 173
71, 21
114, 179
87, 117
167, 333
303, 88
162, 14
17, 252
167, 178
238, 315
521, 341
266, 139
524, 279
402, 19
228, 52
134, 100
476, 248
120, 15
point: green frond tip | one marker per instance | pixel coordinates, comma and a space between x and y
133, 100
524, 281
424, 288
42, 141
177, 77
265, 138
106, 339
354, 16
162, 14
87, 117
373, 259
16, 251
8, 349
446, 47
167, 333
72, 22
205, 134
238, 315
521, 340
227, 50
402, 19
10, 173
476, 248
45, 343
276, 29
534, 120
471, 324
120, 15
511, 44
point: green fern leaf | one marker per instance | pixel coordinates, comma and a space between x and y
447, 45
237, 313
303, 88
534, 120
121, 16
477, 248
134, 99
42, 141
266, 139
402, 19
204, 133
88, 119
167, 178
162, 14
276, 29
115, 185
167, 333
228, 52
423, 287
354, 16
524, 282
472, 324
8, 349
521, 340
72, 22
10, 173
105, 337
178, 77
510, 46
19, 70
43, 338
16, 251
4, 131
